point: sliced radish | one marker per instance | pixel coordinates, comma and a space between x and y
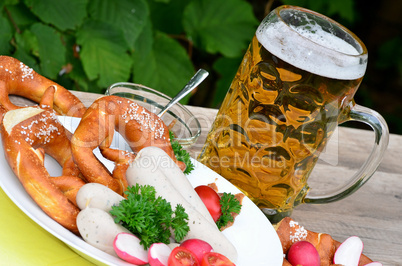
128, 248
374, 263
349, 252
158, 254
303, 253
198, 247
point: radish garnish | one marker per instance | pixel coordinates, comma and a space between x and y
349, 252
158, 254
128, 248
198, 247
303, 253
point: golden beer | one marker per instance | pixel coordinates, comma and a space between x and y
290, 92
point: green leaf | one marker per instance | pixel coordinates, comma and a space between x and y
64, 14
168, 16
229, 205
77, 77
224, 27
25, 44
27, 41
128, 15
166, 68
226, 68
22, 16
6, 34
144, 47
10, 2
390, 55
344, 8
104, 53
181, 154
51, 50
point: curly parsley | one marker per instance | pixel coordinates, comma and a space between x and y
181, 154
149, 217
229, 205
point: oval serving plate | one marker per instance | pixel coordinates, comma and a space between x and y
252, 234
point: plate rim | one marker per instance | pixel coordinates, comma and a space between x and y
88, 251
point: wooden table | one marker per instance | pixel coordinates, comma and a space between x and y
374, 212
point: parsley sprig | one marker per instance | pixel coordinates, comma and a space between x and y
181, 154
229, 205
149, 217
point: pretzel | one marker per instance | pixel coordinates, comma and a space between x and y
27, 134
139, 127
18, 79
290, 232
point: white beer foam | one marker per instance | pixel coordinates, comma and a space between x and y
316, 51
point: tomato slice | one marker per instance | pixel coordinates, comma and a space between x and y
211, 200
215, 259
181, 256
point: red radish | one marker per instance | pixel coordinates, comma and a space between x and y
349, 252
158, 254
198, 247
303, 253
374, 263
128, 248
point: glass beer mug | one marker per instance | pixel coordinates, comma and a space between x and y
294, 86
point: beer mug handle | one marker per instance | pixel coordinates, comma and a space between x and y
378, 124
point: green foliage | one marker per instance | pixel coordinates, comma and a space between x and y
229, 206
227, 68
65, 15
210, 25
181, 154
342, 9
89, 44
390, 55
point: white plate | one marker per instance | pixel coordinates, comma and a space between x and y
252, 234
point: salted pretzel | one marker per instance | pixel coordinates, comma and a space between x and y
290, 232
18, 79
138, 126
27, 134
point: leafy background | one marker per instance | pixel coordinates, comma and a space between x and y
87, 45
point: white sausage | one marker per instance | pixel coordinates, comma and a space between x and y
145, 173
98, 196
98, 229
161, 161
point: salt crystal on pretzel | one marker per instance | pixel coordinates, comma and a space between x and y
16, 78
27, 134
139, 127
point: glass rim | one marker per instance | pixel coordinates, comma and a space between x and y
361, 53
